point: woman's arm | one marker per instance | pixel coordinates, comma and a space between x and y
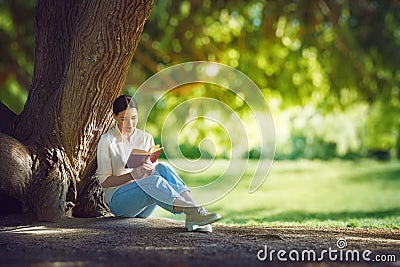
112, 181
104, 167
116, 180
105, 170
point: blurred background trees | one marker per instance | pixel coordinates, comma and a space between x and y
329, 68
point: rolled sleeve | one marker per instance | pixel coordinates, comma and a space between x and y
104, 164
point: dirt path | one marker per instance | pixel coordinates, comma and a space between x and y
161, 242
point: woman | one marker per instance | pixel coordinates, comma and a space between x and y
137, 192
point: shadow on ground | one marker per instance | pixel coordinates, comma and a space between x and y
162, 242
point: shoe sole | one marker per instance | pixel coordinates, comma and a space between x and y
203, 229
191, 226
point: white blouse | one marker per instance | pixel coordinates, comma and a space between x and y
112, 154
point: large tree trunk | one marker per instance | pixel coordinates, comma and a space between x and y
82, 56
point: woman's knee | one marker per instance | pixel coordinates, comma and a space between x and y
163, 166
151, 180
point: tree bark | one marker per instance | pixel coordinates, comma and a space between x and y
16, 165
82, 56
7, 116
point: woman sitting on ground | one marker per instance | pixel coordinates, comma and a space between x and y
137, 192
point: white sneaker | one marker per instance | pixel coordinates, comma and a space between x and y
203, 229
199, 216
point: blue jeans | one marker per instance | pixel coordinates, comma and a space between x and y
140, 199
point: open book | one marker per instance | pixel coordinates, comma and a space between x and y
138, 156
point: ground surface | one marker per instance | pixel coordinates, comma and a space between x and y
162, 242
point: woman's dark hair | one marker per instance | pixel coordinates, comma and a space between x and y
123, 102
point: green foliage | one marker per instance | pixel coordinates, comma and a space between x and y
16, 51
383, 130
323, 56
15, 96
333, 57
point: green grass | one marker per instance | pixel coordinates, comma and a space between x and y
310, 193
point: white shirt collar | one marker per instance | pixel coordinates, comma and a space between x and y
120, 138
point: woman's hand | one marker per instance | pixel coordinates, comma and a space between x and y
149, 167
138, 173
143, 170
